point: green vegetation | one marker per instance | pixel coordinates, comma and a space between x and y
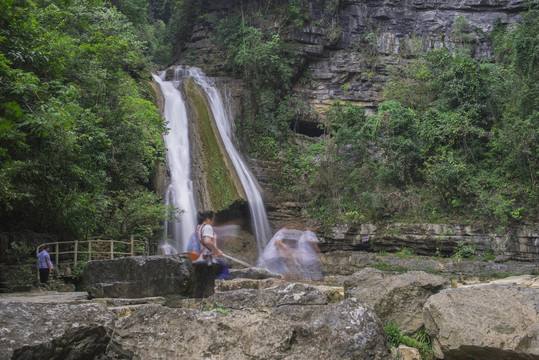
405, 253
79, 140
255, 49
383, 266
23, 255
76, 274
213, 307
421, 340
455, 139
464, 250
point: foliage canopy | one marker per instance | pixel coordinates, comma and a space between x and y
78, 134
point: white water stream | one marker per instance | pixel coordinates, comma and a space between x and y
180, 192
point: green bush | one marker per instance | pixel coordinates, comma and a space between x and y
405, 253
76, 125
464, 250
421, 340
22, 255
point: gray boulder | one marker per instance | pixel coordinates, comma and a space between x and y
45, 331
337, 331
141, 276
484, 322
284, 294
251, 273
393, 297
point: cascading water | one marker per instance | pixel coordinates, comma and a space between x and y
179, 193
223, 119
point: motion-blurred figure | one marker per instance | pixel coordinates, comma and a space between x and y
309, 256
293, 253
278, 257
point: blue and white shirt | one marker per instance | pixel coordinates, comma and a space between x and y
42, 258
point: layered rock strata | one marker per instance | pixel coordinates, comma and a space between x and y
520, 243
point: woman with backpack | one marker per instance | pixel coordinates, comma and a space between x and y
204, 240
202, 245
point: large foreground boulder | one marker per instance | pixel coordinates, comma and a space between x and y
45, 331
337, 331
294, 322
394, 297
140, 276
484, 322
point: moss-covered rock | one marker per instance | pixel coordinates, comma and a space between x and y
215, 181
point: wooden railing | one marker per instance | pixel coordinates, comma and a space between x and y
72, 252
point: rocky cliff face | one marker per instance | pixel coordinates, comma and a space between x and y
215, 180
348, 47
396, 23
349, 59
520, 243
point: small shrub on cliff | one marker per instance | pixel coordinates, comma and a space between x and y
464, 250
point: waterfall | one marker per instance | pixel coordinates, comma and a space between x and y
177, 113
179, 193
225, 125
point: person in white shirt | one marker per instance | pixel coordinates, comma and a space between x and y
208, 237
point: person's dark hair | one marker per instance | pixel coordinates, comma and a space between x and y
46, 247
204, 215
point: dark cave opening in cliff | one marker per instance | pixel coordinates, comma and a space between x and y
306, 128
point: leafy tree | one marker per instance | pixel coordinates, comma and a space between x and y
328, 174
259, 58
394, 132
76, 127
135, 10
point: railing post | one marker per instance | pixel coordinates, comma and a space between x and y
37, 266
132, 245
75, 255
112, 249
89, 250
57, 252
